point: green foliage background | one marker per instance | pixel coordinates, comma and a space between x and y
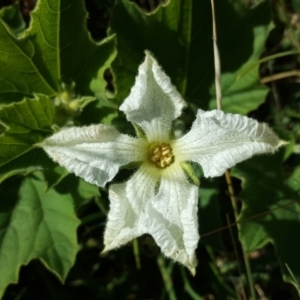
73, 62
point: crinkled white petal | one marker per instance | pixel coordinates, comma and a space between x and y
94, 152
127, 203
218, 141
171, 217
153, 102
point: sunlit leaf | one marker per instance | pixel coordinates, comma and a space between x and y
19, 74
27, 123
98, 85
55, 49
37, 225
246, 93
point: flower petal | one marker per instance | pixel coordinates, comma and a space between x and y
127, 203
94, 152
171, 217
218, 141
153, 102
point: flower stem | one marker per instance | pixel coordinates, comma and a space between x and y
166, 276
136, 253
187, 286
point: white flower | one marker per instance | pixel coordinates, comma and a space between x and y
158, 199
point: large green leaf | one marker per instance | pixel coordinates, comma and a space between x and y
18, 73
271, 210
37, 225
166, 33
179, 35
247, 93
27, 123
55, 49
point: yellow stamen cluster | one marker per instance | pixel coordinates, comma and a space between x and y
162, 155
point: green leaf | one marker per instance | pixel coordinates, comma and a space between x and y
98, 112
19, 75
27, 123
159, 32
65, 42
179, 35
80, 190
37, 225
247, 93
98, 85
55, 49
271, 209
53, 173
12, 16
241, 42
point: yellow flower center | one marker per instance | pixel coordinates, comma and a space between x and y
162, 155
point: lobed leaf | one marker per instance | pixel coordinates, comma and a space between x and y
165, 32
12, 16
246, 93
271, 209
27, 123
65, 45
19, 75
37, 225
56, 49
179, 35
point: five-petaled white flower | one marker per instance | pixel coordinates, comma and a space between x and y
158, 199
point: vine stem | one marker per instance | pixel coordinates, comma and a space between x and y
233, 199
